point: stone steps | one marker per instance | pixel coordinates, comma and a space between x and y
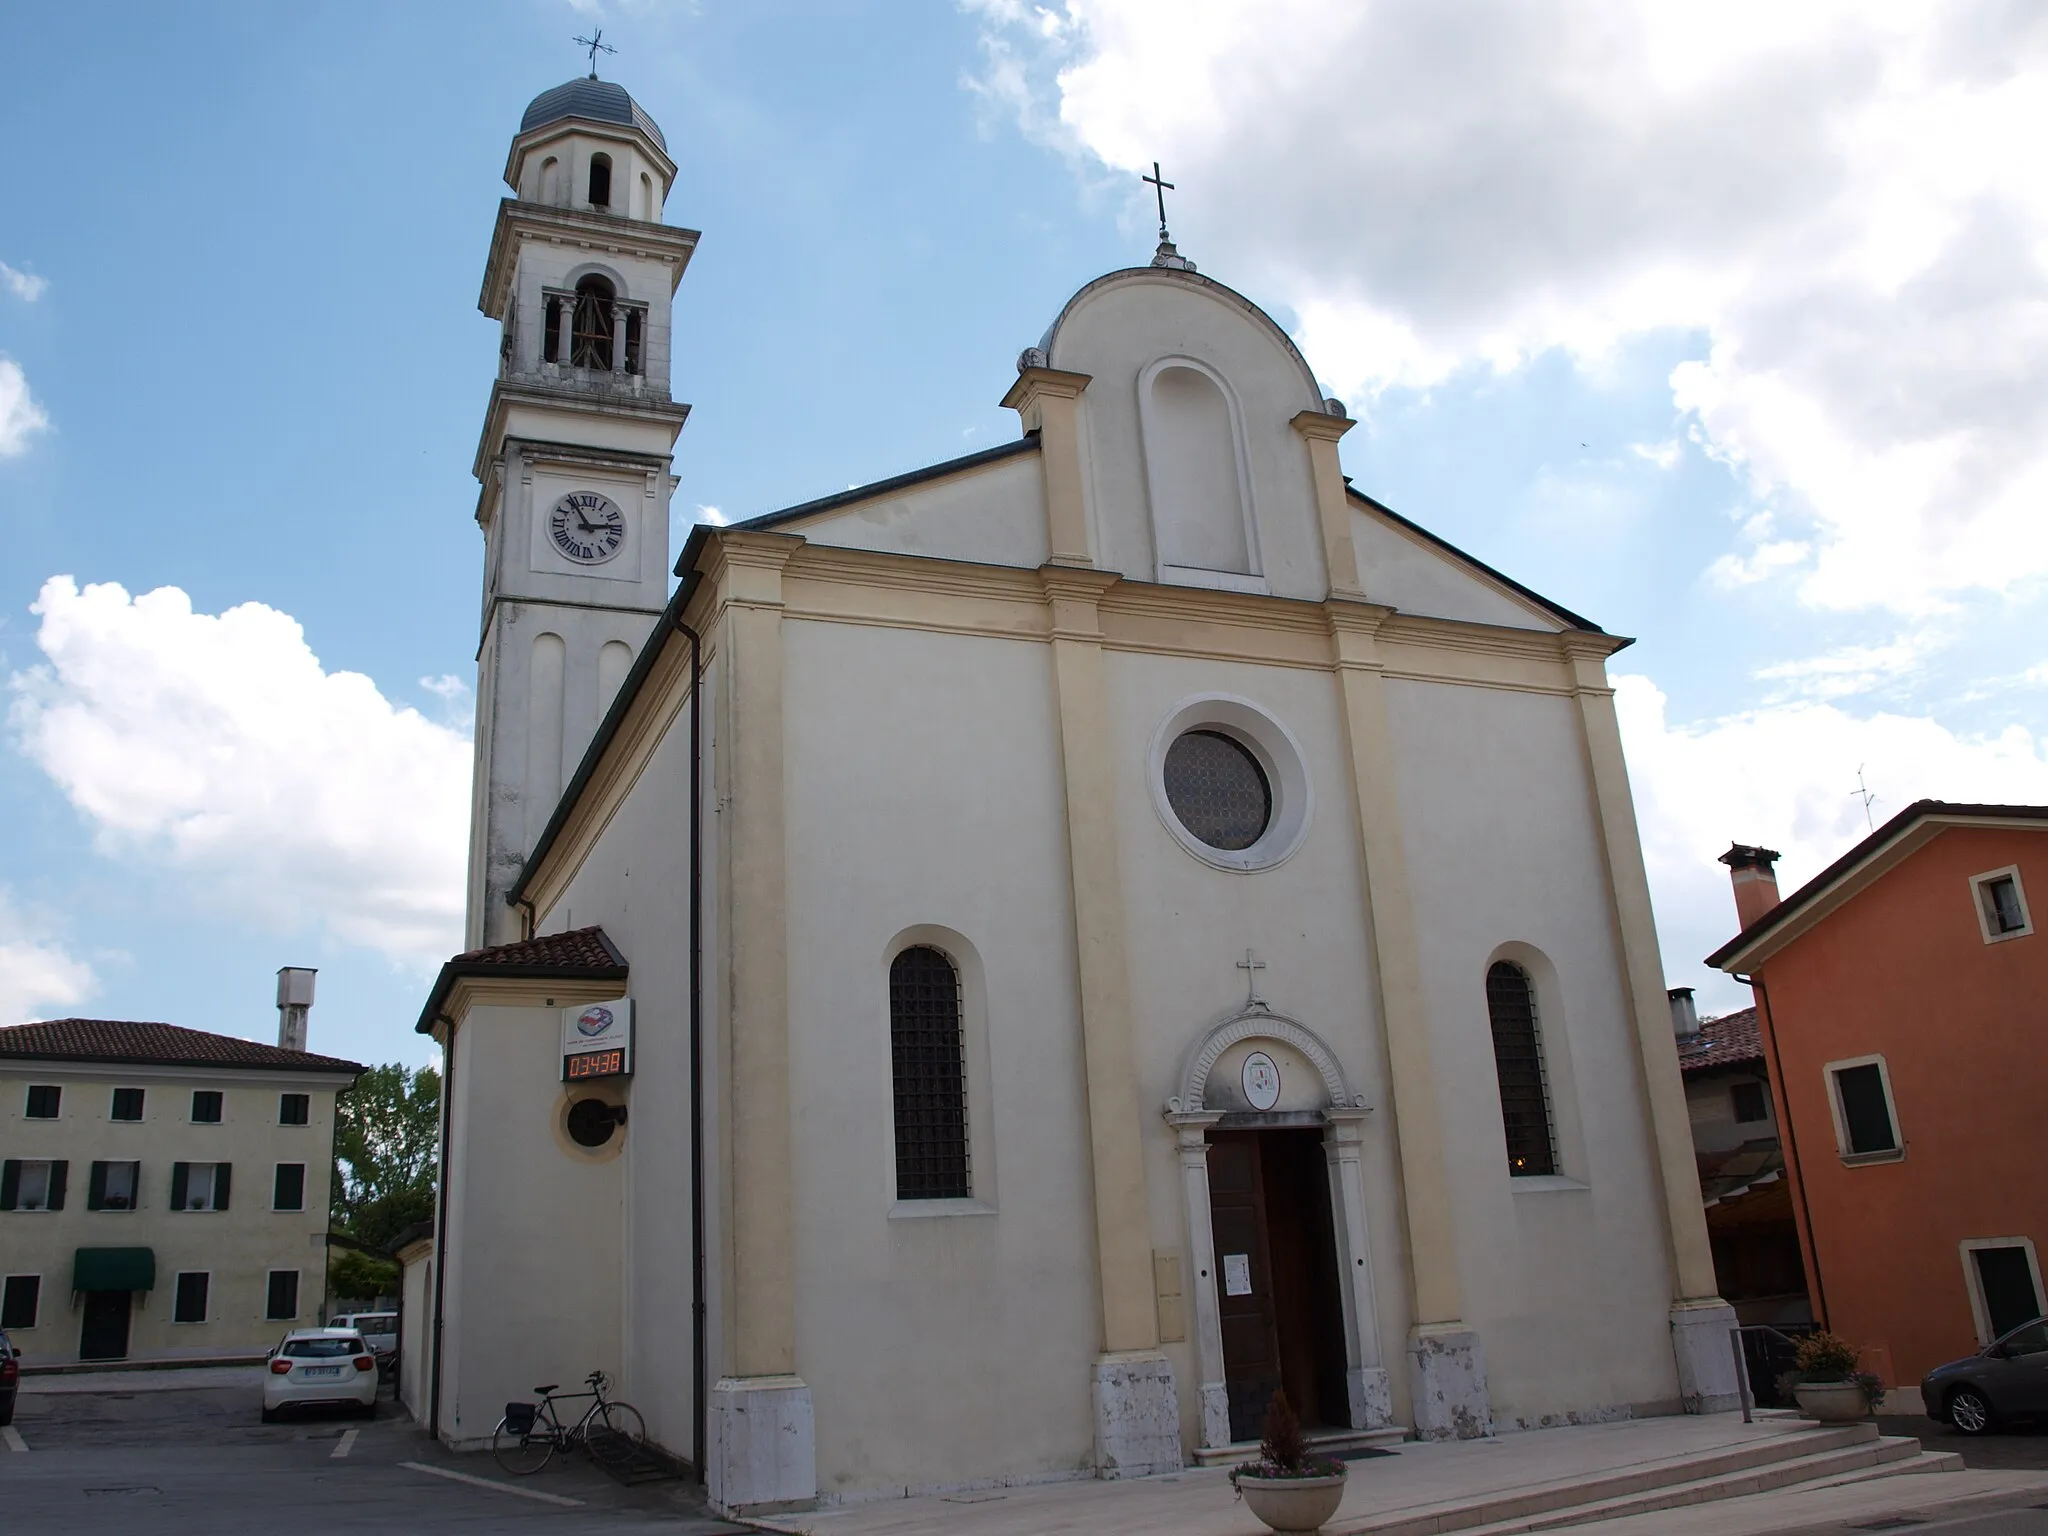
1323, 1442
1730, 1472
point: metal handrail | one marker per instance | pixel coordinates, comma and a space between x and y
1742, 1362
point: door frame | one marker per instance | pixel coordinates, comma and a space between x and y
1980, 1313
127, 1324
1342, 1121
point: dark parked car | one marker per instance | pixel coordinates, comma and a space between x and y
2006, 1379
10, 1377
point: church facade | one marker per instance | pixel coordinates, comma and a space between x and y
1101, 930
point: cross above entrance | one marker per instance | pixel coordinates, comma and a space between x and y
1251, 965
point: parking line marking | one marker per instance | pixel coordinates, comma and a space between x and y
485, 1482
13, 1438
348, 1440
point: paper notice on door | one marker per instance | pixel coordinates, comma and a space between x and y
1237, 1274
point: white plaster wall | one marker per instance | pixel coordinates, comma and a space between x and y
1401, 570
1189, 923
635, 885
534, 1243
238, 1247
415, 1335
924, 787
1113, 334
994, 516
1566, 1280
1712, 1111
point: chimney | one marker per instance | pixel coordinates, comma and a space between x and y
1685, 1018
294, 1000
1755, 881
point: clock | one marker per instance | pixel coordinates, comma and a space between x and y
587, 527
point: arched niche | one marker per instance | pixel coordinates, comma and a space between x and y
1203, 532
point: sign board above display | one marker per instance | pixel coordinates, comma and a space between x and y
597, 1041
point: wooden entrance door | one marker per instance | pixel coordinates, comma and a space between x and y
1276, 1277
105, 1334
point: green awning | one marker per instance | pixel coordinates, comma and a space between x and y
114, 1269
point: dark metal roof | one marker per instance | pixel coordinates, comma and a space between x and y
600, 101
581, 954
130, 1043
1821, 883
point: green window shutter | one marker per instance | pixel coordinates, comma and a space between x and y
58, 1171
181, 1174
10, 1183
96, 1188
220, 1185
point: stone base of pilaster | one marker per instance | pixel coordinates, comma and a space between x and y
1447, 1384
1137, 1415
1215, 1413
1702, 1331
1372, 1397
760, 1455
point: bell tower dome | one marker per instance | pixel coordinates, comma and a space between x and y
574, 460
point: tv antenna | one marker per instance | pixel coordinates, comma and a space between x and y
1862, 792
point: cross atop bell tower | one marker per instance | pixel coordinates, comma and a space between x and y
574, 463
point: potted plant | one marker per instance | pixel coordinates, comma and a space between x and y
1829, 1387
1286, 1487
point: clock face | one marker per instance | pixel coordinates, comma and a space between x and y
587, 527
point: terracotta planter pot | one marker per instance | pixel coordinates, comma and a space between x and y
1832, 1402
1292, 1503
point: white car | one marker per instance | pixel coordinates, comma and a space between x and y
379, 1331
320, 1365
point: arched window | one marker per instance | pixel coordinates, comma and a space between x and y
600, 181
929, 1064
592, 331
1518, 1058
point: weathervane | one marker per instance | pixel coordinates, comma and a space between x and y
596, 45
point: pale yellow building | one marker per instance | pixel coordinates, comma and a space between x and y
163, 1191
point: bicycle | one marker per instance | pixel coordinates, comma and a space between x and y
528, 1436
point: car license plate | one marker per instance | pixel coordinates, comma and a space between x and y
319, 1370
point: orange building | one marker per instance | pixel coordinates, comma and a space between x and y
1903, 997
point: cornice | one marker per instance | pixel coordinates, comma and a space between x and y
507, 393
470, 992
1321, 425
1035, 382
605, 232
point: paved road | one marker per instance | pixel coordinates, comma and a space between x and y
2020, 1517
2022, 1448
162, 1460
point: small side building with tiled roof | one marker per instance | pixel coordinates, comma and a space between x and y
163, 1191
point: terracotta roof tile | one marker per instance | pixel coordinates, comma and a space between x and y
155, 1045
578, 949
1722, 1042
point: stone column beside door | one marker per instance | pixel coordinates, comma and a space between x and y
1191, 1132
1365, 1378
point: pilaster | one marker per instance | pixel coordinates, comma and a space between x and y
1447, 1367
1049, 403
1133, 1385
1371, 1396
1191, 1143
1699, 1319
1321, 431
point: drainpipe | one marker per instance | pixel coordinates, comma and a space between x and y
700, 1383
1782, 1089
441, 1223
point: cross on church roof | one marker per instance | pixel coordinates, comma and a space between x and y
1160, 187
596, 44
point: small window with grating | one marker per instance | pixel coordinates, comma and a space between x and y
929, 1062
2004, 912
1518, 1059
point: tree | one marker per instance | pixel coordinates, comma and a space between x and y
386, 1152
353, 1276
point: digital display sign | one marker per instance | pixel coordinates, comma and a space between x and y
594, 1064
597, 1041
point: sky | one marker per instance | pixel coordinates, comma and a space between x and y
1725, 326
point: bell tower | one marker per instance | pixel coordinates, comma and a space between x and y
574, 461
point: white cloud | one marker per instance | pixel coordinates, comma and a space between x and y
1665, 455
39, 978
219, 748
1785, 777
448, 688
25, 286
1838, 196
711, 515
20, 417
